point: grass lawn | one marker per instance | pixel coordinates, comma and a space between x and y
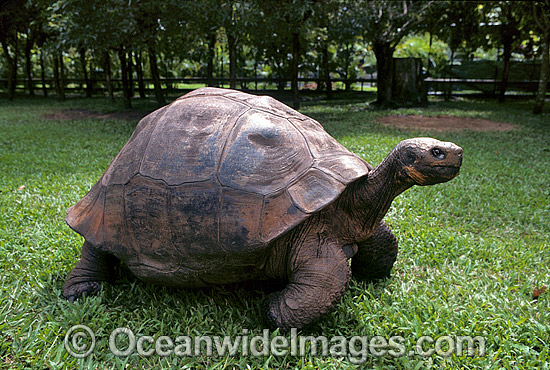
472, 251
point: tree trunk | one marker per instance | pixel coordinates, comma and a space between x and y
43, 74
56, 75
166, 68
507, 53
84, 67
347, 67
408, 84
130, 73
281, 78
326, 72
294, 69
139, 72
57, 72
159, 95
320, 75
544, 72
232, 44
383, 52
221, 65
124, 74
429, 55
28, 64
211, 55
107, 68
62, 75
256, 74
449, 92
12, 71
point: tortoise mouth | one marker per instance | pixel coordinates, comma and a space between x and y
446, 166
440, 167
435, 174
448, 171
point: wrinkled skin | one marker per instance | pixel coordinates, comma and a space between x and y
312, 257
317, 266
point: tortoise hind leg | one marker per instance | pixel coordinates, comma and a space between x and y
85, 279
375, 256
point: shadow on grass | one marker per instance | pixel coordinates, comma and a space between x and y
231, 307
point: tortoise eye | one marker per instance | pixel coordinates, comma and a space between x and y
438, 153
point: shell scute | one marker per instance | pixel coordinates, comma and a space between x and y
212, 179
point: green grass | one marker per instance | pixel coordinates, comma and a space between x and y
471, 251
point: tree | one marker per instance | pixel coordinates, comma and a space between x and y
286, 24
148, 15
336, 34
541, 15
271, 40
231, 27
510, 33
78, 26
126, 89
237, 16
40, 34
385, 23
126, 28
204, 25
12, 21
457, 23
508, 29
29, 42
344, 30
139, 72
59, 75
99, 27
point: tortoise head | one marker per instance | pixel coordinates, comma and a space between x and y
428, 161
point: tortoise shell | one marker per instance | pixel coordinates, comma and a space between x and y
215, 174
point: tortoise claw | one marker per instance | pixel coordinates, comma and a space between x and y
81, 290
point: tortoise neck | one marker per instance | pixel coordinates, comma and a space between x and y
370, 197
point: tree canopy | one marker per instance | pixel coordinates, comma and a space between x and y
146, 40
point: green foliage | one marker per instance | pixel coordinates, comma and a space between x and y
507, 21
472, 251
387, 22
418, 46
458, 24
194, 39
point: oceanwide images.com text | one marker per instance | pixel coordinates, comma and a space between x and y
80, 342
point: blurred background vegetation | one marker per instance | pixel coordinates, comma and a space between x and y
136, 47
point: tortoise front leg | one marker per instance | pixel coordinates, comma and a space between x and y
313, 288
85, 279
375, 256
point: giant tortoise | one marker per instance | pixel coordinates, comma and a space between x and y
221, 186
